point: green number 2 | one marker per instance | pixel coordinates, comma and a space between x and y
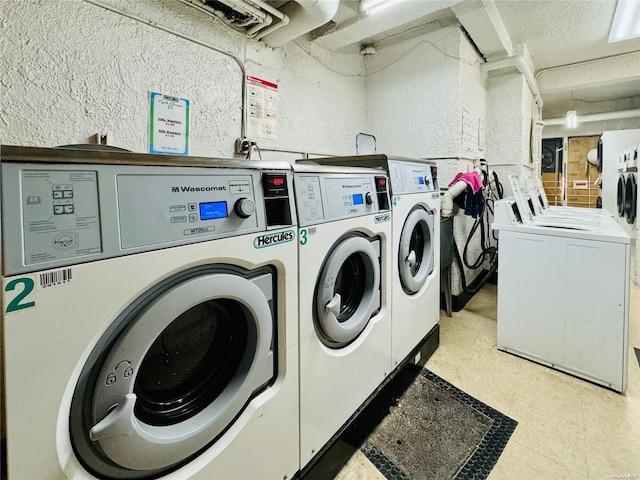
303, 236
17, 303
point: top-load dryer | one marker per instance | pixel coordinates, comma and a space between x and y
415, 208
345, 300
150, 316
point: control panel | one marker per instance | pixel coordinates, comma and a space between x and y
175, 207
58, 214
324, 197
407, 177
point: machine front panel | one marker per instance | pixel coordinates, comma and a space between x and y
177, 207
406, 177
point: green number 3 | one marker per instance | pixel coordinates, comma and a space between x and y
17, 303
303, 237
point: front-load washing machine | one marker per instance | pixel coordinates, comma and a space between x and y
149, 315
415, 285
344, 290
631, 186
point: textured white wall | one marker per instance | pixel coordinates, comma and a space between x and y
414, 103
71, 69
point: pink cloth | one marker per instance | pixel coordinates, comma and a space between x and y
471, 178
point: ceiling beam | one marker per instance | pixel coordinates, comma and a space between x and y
358, 29
485, 26
593, 73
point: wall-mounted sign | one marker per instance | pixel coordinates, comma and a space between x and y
262, 97
168, 125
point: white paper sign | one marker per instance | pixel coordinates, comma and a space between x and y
469, 132
263, 106
169, 125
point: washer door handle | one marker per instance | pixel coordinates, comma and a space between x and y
411, 259
117, 422
333, 305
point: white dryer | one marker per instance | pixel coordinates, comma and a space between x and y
415, 285
344, 289
149, 315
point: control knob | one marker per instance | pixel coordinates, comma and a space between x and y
368, 198
427, 181
244, 207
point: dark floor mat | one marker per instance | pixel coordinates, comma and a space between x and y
422, 427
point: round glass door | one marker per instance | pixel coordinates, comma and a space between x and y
416, 250
630, 198
348, 290
174, 372
621, 196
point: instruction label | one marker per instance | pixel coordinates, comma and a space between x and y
262, 116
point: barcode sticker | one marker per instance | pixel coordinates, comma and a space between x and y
55, 278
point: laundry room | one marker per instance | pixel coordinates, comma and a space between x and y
318, 239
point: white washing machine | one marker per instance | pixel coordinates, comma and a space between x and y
527, 200
631, 186
149, 315
563, 295
541, 202
345, 296
415, 286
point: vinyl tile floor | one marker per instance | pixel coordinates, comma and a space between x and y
567, 428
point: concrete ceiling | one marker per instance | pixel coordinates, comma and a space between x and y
567, 41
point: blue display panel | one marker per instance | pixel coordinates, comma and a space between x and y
357, 199
213, 210
421, 180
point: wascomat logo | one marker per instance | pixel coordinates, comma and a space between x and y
385, 217
274, 239
221, 188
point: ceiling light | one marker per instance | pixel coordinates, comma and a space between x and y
371, 7
572, 119
626, 21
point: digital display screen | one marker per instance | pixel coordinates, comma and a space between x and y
421, 180
276, 181
357, 199
213, 210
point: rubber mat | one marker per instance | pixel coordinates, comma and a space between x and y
421, 427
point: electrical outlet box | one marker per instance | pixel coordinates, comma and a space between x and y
242, 146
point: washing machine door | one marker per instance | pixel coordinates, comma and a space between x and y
621, 195
630, 198
416, 250
174, 372
348, 290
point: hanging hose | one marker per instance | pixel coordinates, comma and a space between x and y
488, 253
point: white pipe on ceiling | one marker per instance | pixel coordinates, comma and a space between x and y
304, 16
595, 117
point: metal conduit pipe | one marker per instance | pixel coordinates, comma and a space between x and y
446, 206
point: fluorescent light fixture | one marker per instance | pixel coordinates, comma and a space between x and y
626, 21
371, 7
572, 119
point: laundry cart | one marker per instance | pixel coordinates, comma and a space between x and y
563, 294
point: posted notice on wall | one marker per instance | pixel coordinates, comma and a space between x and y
263, 105
469, 132
169, 125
